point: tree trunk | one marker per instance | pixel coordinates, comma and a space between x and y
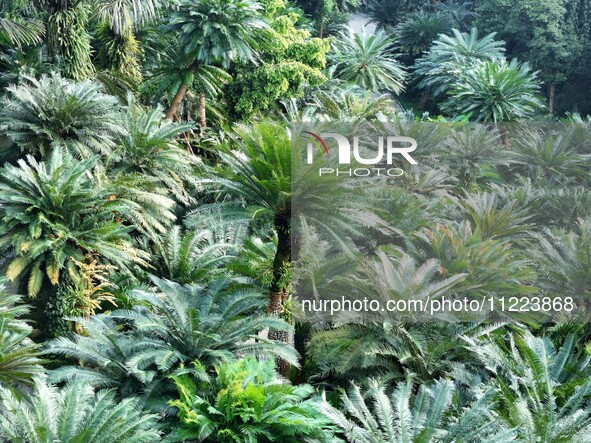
176, 101
278, 292
202, 115
551, 97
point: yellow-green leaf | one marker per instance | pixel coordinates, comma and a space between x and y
17, 266
35, 280
53, 271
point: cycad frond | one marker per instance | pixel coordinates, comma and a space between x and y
74, 413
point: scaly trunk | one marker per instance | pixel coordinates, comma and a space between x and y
551, 98
202, 115
278, 292
176, 101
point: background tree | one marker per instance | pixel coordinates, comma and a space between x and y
541, 34
290, 62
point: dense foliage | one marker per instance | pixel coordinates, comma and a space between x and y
147, 185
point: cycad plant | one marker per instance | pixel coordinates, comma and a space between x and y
73, 414
19, 357
495, 91
149, 149
53, 214
428, 415
377, 344
209, 324
246, 402
368, 61
543, 389
550, 157
450, 55
418, 30
564, 259
53, 112
102, 351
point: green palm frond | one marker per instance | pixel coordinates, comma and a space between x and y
149, 148
19, 357
218, 31
55, 213
246, 401
543, 389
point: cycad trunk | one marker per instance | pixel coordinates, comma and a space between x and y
202, 115
278, 291
176, 101
551, 98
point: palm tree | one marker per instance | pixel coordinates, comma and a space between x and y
550, 157
261, 174
102, 351
41, 115
381, 344
19, 30
245, 401
197, 255
495, 91
428, 416
204, 78
369, 62
74, 413
564, 259
211, 33
386, 14
450, 55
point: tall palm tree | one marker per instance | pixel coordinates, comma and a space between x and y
74, 413
261, 174
211, 33
495, 91
368, 61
